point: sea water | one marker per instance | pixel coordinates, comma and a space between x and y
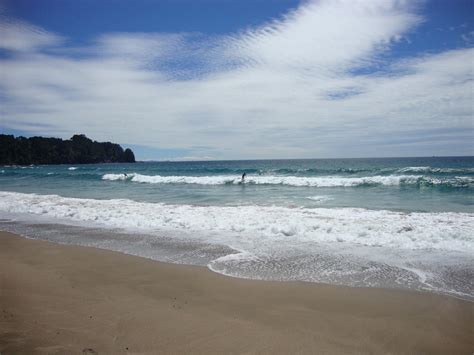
398, 222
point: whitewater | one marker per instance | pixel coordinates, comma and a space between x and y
327, 181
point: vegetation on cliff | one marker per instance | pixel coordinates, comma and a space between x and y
77, 150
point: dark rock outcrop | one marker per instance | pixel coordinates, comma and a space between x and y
77, 150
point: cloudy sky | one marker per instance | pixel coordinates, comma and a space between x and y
242, 79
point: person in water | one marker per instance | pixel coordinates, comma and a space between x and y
243, 177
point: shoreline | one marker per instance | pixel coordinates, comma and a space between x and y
58, 298
205, 257
211, 269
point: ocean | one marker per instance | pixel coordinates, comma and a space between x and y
381, 222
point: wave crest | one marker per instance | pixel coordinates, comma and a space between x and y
432, 170
299, 181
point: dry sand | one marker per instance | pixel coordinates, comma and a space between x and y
74, 300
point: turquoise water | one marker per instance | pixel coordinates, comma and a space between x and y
398, 222
406, 184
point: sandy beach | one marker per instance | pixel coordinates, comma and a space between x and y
72, 300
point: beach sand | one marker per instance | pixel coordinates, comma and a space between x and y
73, 300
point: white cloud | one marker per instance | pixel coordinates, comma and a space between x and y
331, 36
468, 38
23, 37
286, 89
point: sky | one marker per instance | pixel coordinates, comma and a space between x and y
242, 79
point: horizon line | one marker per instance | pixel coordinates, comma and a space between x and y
262, 159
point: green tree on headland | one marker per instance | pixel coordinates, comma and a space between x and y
77, 150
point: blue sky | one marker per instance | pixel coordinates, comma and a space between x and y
228, 79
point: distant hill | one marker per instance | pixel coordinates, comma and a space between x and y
77, 150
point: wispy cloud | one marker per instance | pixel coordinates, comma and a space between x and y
468, 38
286, 89
23, 37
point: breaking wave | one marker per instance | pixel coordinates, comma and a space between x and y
301, 181
432, 170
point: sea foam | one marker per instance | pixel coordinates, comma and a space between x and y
247, 225
320, 199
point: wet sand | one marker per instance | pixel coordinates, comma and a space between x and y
73, 300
